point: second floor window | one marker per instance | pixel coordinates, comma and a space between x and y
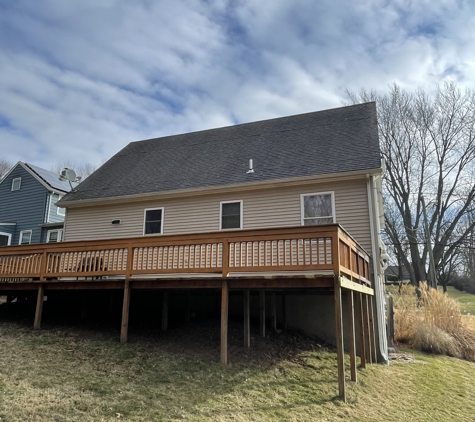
318, 208
54, 236
25, 237
153, 221
231, 215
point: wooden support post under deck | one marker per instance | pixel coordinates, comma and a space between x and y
247, 319
224, 322
367, 331
361, 331
284, 311
273, 312
84, 305
262, 313
339, 341
165, 310
125, 313
39, 306
374, 356
188, 306
351, 333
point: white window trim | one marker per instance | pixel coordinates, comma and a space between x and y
302, 211
240, 212
9, 242
161, 225
22, 234
60, 235
60, 211
19, 183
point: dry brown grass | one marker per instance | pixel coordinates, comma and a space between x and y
433, 323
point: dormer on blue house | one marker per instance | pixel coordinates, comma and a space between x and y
28, 212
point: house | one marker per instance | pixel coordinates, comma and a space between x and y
28, 211
282, 214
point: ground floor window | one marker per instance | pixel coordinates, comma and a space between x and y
54, 236
5, 239
318, 208
25, 237
153, 221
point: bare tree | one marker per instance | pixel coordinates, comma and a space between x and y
428, 143
5, 167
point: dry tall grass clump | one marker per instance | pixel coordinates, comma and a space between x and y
433, 322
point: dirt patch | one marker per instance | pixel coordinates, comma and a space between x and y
403, 358
201, 339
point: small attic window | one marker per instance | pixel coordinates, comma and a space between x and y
16, 183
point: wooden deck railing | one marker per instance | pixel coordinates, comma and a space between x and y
328, 249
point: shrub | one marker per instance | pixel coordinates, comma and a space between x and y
433, 322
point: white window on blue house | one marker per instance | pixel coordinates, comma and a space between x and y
16, 183
153, 221
54, 236
317, 208
55, 198
25, 237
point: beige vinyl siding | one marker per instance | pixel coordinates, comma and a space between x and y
266, 208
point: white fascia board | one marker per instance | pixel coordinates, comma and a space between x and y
268, 184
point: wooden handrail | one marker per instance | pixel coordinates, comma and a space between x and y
304, 248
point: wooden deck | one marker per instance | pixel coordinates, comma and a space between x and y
308, 257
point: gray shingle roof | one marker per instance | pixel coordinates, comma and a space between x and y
324, 142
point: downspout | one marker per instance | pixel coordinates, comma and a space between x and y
381, 339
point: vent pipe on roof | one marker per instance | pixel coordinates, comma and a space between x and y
251, 167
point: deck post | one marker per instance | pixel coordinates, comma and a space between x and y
39, 306
361, 332
367, 331
339, 341
188, 306
351, 333
284, 311
165, 310
262, 313
224, 321
273, 312
125, 313
371, 326
84, 305
247, 319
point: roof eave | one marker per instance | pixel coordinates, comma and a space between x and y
341, 176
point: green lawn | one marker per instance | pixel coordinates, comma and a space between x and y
84, 374
467, 300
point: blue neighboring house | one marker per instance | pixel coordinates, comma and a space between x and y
28, 212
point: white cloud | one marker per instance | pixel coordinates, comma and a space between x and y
79, 80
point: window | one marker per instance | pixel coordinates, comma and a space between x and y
54, 236
16, 183
5, 239
153, 221
55, 198
25, 237
318, 208
231, 215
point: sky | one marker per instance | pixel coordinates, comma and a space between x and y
79, 80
